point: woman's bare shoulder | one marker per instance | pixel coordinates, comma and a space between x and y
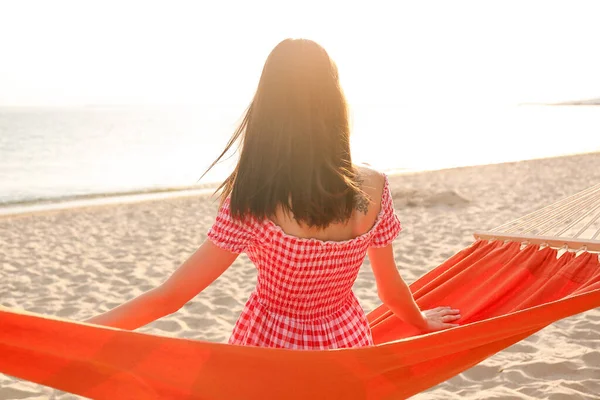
371, 180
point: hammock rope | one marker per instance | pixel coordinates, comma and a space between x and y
548, 212
571, 223
588, 226
566, 211
596, 234
580, 210
575, 222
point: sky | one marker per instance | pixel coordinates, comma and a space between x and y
58, 52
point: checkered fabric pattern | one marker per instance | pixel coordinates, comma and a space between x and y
303, 298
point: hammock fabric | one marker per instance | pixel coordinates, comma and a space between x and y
505, 294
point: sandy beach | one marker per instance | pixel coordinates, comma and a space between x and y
75, 263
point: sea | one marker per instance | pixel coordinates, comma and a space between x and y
50, 155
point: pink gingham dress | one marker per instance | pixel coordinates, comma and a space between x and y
303, 298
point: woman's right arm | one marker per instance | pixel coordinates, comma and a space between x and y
396, 295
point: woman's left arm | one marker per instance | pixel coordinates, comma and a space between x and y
193, 276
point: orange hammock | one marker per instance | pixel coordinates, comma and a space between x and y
505, 294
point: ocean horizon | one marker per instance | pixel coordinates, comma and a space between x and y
57, 154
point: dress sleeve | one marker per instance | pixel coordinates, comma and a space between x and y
228, 233
388, 226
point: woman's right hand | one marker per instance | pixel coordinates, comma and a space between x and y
441, 318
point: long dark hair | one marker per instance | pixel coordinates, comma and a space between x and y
295, 142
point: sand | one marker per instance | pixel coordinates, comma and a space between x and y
76, 263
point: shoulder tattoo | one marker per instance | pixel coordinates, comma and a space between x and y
361, 200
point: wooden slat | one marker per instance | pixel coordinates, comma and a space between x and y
557, 242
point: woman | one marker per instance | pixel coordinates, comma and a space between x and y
305, 215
